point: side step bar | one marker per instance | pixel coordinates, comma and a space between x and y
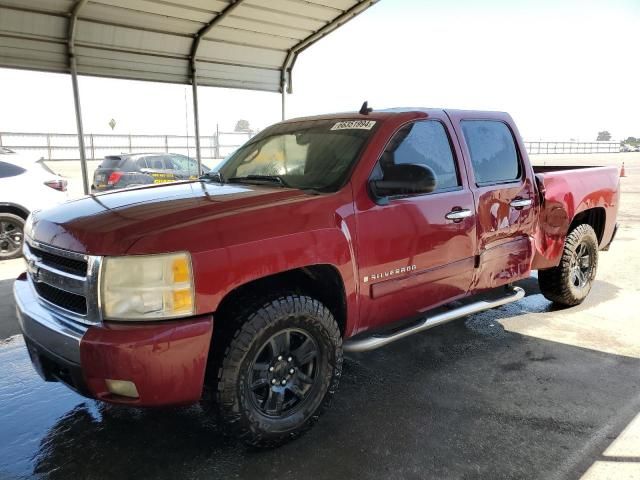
377, 341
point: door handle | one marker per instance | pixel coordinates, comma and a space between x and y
520, 203
458, 215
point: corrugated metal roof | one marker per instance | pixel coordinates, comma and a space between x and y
242, 43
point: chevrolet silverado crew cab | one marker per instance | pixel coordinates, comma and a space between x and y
320, 235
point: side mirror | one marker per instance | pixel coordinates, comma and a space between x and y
404, 179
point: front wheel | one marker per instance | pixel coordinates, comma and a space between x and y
279, 370
570, 282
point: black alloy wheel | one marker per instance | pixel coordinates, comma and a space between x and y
277, 361
284, 372
581, 265
570, 282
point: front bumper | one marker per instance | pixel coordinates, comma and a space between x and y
165, 360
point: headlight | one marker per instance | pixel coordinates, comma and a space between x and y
147, 287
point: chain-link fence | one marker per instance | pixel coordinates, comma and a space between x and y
535, 148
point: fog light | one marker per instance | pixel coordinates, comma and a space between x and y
124, 388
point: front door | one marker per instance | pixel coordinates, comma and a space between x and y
417, 251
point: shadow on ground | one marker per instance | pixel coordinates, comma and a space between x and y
466, 400
8, 319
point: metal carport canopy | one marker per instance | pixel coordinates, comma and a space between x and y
250, 44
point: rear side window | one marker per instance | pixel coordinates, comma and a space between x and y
185, 164
425, 143
156, 163
9, 170
493, 151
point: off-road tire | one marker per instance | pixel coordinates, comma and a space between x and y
559, 284
257, 322
8, 222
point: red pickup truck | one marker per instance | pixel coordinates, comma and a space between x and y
320, 235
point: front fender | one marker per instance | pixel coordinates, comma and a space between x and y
219, 272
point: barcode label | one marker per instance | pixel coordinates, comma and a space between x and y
354, 125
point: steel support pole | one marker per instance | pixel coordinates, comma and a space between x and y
284, 96
80, 129
196, 117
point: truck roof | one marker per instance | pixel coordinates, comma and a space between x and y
408, 112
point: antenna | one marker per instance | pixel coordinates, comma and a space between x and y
365, 110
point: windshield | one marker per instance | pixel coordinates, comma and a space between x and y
315, 154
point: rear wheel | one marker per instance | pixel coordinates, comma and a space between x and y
279, 371
570, 282
11, 236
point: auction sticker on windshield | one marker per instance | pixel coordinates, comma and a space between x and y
354, 125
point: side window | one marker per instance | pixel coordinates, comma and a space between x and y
184, 164
142, 162
427, 143
155, 163
493, 151
9, 170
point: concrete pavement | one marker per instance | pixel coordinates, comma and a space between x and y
524, 391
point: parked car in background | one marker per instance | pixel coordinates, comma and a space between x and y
25, 185
636, 148
627, 148
134, 169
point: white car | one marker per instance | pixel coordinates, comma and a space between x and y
25, 185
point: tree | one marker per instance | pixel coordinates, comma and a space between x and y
243, 126
632, 140
603, 136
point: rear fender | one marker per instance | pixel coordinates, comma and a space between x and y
566, 195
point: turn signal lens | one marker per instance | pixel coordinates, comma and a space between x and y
181, 270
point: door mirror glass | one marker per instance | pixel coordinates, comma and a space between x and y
404, 179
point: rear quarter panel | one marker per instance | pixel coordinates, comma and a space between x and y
566, 194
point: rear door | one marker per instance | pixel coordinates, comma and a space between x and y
503, 188
416, 251
160, 168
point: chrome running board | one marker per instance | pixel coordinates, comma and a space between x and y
377, 341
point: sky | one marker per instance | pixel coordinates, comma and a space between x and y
564, 69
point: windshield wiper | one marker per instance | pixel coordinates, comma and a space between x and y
260, 179
216, 176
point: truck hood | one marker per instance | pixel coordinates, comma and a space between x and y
110, 223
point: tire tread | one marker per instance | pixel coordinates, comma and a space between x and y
554, 282
243, 323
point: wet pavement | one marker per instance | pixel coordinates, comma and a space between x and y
467, 400
524, 391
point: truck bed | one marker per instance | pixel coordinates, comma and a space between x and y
567, 192
560, 168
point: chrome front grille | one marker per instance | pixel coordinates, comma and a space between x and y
66, 282
64, 264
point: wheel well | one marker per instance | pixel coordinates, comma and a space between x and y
595, 217
322, 282
14, 210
